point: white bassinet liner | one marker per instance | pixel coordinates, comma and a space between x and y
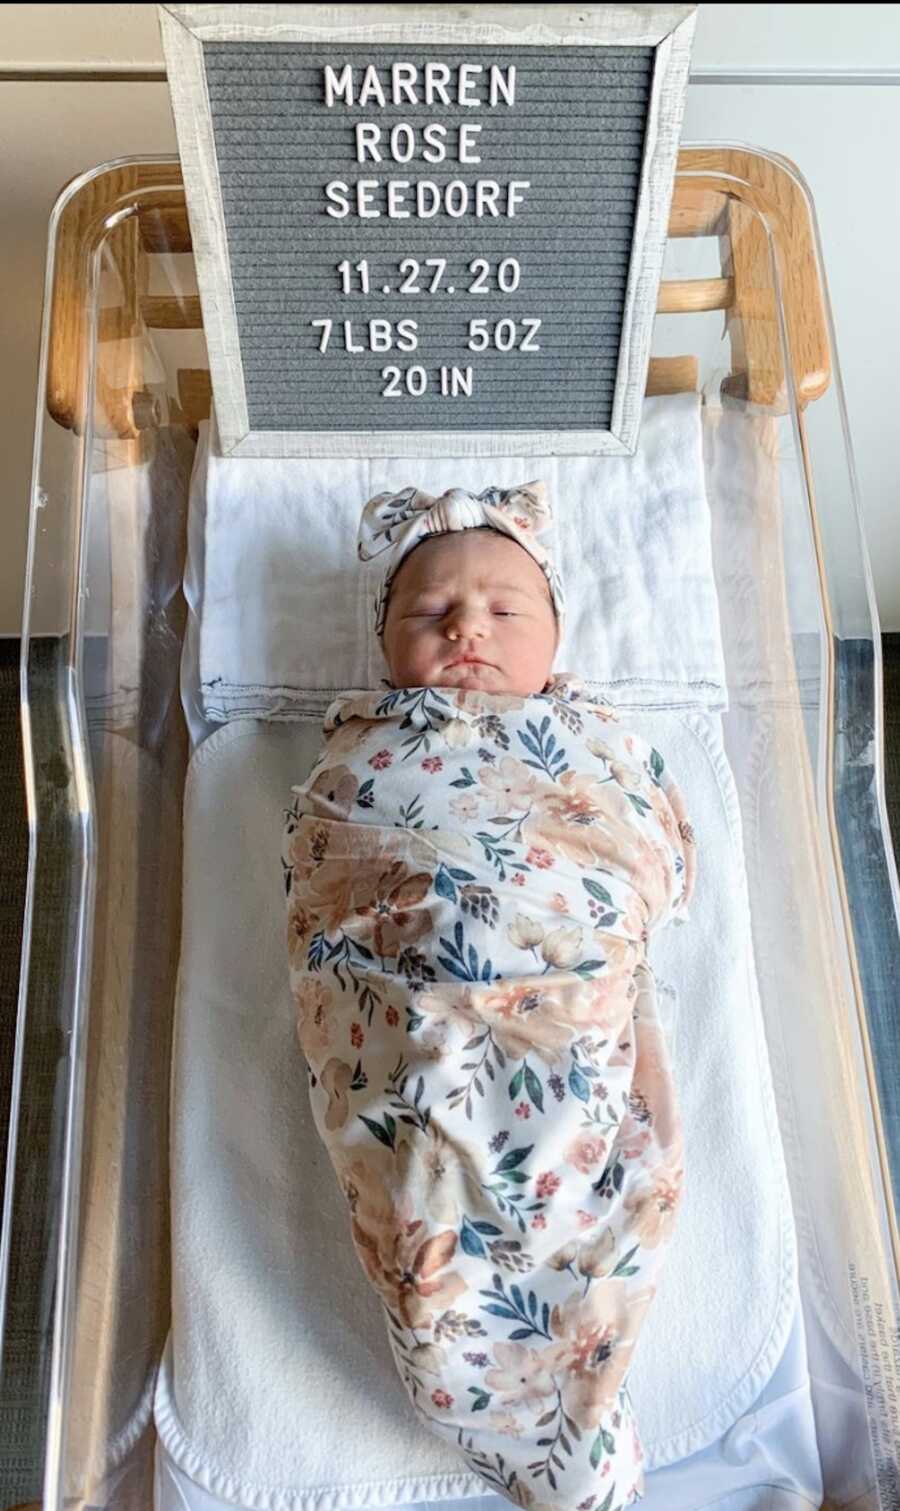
279, 1389
767, 1458
271, 553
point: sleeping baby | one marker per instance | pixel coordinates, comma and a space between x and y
474, 869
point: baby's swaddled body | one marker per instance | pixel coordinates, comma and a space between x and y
473, 877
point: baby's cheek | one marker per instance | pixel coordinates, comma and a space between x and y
414, 653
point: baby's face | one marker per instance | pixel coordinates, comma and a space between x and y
471, 610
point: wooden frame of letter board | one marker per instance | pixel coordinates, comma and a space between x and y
667, 28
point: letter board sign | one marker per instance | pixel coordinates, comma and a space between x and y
428, 230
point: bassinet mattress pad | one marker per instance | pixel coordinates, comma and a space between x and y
272, 551
279, 1390
771, 1450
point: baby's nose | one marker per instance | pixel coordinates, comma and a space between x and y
464, 622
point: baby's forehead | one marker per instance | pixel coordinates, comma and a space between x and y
465, 554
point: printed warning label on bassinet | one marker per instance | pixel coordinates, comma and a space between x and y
879, 1348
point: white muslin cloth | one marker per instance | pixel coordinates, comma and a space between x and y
278, 548
278, 1390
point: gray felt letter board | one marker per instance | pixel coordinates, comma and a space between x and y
428, 230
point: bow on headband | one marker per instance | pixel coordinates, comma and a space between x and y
396, 522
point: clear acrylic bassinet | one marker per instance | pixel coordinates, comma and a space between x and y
124, 381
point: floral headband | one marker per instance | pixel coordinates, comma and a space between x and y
396, 522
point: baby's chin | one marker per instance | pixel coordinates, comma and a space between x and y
472, 677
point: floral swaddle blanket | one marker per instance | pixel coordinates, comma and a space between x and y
472, 881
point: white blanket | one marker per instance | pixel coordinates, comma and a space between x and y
278, 1390
272, 552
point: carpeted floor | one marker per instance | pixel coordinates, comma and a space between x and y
890, 645
13, 868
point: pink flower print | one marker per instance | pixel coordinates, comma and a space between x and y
547, 1183
585, 1219
523, 1110
381, 759
432, 763
540, 1221
392, 1016
585, 1152
558, 903
519, 879
540, 858
441, 1399
357, 1036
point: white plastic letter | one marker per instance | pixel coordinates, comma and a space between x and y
403, 81
462, 202
395, 198
342, 86
368, 135
336, 192
436, 136
402, 136
466, 133
487, 192
423, 187
371, 85
515, 184
466, 83
365, 188
436, 76
498, 86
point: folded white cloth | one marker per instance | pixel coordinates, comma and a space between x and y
284, 605
279, 1391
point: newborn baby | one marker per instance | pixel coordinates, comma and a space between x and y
471, 610
474, 868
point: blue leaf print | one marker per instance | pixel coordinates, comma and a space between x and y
470, 1241
534, 1088
579, 1085
513, 1158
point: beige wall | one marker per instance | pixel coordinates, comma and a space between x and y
57, 117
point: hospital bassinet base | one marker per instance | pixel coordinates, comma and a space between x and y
124, 383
